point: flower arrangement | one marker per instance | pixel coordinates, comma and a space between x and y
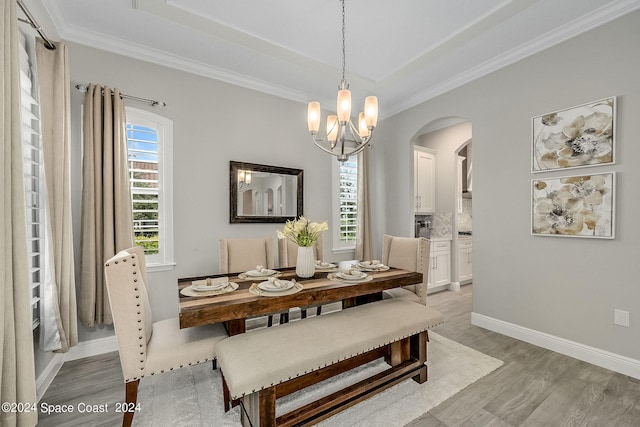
302, 231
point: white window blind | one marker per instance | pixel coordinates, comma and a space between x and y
33, 178
143, 175
149, 141
348, 201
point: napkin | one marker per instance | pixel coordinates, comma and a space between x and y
213, 283
355, 273
323, 264
373, 263
277, 283
263, 270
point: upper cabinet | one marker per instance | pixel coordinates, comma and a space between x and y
424, 169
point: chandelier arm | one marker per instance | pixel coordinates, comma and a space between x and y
318, 144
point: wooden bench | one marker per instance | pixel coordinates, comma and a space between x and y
261, 366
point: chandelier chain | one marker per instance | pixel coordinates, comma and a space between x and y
344, 81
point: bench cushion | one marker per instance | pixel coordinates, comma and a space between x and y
266, 357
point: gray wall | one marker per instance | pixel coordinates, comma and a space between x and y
565, 287
213, 123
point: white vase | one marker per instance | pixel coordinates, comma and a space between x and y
305, 264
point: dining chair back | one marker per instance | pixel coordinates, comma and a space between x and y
239, 255
410, 254
146, 347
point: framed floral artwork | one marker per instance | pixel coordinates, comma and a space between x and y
575, 137
574, 206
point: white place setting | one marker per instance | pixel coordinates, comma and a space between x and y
275, 287
259, 273
325, 267
373, 265
350, 276
209, 286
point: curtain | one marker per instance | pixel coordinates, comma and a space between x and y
59, 330
17, 369
107, 219
363, 223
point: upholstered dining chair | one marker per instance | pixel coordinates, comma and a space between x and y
410, 254
147, 347
287, 257
239, 255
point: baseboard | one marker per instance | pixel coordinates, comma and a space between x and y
605, 359
47, 375
92, 348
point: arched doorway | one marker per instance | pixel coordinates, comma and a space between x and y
447, 139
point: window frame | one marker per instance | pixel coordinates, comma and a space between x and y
164, 259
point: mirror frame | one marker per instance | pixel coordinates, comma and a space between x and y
234, 167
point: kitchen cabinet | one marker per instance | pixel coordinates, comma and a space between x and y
465, 259
440, 264
424, 170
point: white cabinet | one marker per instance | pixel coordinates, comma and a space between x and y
465, 259
424, 170
440, 264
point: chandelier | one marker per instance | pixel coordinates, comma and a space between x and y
343, 139
244, 179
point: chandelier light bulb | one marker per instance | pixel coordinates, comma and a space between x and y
332, 128
344, 105
362, 126
314, 117
371, 111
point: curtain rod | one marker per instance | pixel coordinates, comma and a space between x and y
32, 21
154, 103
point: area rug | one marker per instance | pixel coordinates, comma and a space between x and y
193, 396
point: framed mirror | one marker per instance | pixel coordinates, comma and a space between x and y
263, 193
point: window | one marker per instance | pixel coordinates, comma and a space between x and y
149, 141
346, 208
33, 176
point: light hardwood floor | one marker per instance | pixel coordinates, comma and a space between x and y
534, 388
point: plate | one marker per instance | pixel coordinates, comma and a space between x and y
324, 265
352, 276
202, 286
270, 287
263, 273
371, 267
190, 292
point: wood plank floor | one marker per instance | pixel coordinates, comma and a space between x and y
534, 388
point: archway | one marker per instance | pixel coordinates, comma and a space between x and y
445, 138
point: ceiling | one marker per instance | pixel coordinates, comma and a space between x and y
403, 51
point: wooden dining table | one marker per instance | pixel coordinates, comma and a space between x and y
233, 308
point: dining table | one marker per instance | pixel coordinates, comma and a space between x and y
245, 301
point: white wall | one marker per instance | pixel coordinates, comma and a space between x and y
564, 287
213, 123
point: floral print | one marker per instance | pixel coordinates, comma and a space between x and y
573, 206
580, 136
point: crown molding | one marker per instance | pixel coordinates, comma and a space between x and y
114, 45
579, 26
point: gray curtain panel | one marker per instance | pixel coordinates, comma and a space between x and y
107, 219
17, 373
